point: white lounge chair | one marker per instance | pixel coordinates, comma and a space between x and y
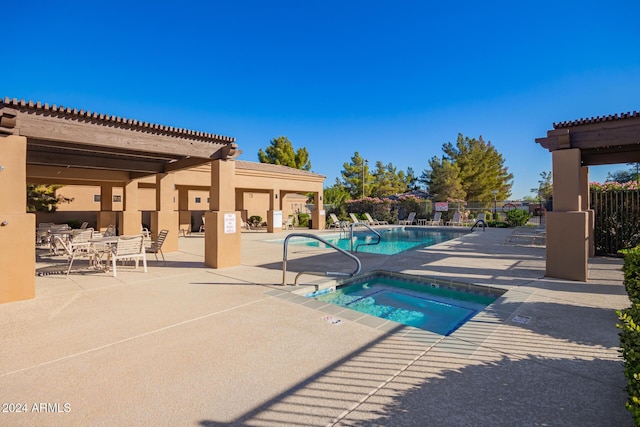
410, 219
289, 224
355, 219
456, 220
437, 219
374, 221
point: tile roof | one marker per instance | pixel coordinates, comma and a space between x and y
268, 167
106, 118
598, 119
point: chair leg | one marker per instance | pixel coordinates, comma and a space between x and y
161, 253
144, 261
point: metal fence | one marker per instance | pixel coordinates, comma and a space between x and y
617, 220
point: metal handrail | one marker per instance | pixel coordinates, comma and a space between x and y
316, 273
363, 244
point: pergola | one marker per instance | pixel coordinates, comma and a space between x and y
51, 144
574, 146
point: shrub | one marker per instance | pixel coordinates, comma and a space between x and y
255, 220
630, 336
517, 217
303, 219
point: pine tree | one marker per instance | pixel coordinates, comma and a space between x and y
281, 152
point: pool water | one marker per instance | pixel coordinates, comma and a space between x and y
437, 307
393, 240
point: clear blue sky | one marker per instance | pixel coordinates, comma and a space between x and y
393, 80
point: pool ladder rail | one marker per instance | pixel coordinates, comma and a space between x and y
317, 273
353, 224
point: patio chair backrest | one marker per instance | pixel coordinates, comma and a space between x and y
82, 236
129, 245
334, 218
157, 244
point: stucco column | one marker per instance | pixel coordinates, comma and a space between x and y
165, 217
274, 214
106, 216
222, 223
567, 225
184, 214
130, 217
318, 215
17, 228
585, 198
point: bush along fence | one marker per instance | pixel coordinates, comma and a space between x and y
391, 210
630, 336
617, 217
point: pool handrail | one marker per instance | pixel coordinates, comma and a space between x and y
353, 224
316, 273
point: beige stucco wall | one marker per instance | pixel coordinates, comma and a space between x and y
254, 188
17, 228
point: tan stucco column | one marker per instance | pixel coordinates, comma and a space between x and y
106, 216
130, 218
165, 217
17, 228
585, 205
567, 225
184, 214
318, 215
275, 221
222, 223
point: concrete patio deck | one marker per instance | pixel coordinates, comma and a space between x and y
186, 345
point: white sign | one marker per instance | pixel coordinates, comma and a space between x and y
322, 212
229, 223
277, 219
442, 206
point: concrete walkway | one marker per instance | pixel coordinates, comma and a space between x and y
185, 345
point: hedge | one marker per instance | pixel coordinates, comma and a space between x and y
630, 336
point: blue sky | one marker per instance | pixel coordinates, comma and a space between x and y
393, 80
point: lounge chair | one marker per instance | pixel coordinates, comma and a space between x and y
289, 224
355, 219
436, 220
456, 220
410, 219
336, 223
374, 221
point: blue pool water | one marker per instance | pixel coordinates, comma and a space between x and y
393, 240
439, 308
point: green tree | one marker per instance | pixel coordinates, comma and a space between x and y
544, 191
622, 176
352, 177
387, 181
443, 180
337, 194
410, 179
281, 152
482, 168
43, 198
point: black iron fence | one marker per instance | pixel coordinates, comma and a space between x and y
617, 220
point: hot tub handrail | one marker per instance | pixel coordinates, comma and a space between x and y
353, 224
317, 273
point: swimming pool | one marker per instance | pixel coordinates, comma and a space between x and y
431, 304
393, 240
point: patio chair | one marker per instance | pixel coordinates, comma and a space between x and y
289, 224
335, 222
410, 219
78, 246
355, 219
456, 220
129, 248
201, 229
373, 221
84, 225
156, 245
437, 219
